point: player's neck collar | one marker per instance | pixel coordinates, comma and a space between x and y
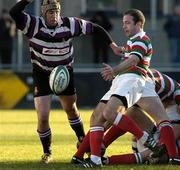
139, 34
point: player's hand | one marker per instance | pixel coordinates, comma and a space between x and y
107, 72
116, 49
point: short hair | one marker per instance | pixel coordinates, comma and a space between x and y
137, 15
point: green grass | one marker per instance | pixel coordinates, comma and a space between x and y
20, 147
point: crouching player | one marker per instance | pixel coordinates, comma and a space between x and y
169, 92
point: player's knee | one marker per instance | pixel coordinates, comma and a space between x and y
43, 119
71, 111
97, 118
43, 114
107, 115
92, 118
165, 123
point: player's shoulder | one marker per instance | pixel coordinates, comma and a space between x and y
143, 40
68, 20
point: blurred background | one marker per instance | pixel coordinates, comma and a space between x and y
162, 25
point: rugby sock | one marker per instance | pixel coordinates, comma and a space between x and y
132, 158
45, 138
134, 144
112, 134
167, 137
128, 125
77, 125
96, 138
83, 147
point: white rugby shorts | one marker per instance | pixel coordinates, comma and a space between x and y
149, 89
128, 85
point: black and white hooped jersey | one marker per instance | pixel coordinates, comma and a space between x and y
52, 47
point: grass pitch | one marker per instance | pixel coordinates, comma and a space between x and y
20, 147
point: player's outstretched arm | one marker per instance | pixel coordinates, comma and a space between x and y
100, 31
116, 49
17, 13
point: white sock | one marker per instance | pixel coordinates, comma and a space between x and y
96, 159
144, 138
117, 119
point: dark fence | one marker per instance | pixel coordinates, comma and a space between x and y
90, 88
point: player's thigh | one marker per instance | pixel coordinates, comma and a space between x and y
42, 105
154, 107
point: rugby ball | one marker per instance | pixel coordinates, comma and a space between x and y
59, 79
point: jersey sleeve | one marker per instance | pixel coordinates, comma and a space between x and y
24, 22
83, 27
177, 95
139, 48
79, 26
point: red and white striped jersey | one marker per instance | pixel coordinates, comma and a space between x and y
166, 87
141, 46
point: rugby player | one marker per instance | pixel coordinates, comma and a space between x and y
169, 92
50, 40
